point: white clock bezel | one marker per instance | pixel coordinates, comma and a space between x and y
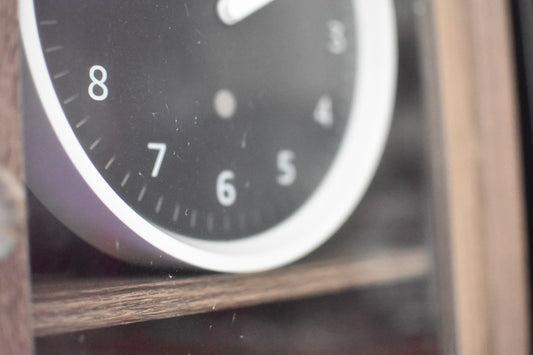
306, 229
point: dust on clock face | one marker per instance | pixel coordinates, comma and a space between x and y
211, 124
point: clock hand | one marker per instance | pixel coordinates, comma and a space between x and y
232, 12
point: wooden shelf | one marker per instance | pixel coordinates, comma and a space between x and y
66, 305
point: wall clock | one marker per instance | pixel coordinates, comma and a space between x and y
230, 135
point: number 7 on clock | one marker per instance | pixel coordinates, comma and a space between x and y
162, 149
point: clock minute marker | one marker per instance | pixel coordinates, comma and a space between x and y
53, 49
159, 204
95, 143
193, 218
48, 22
110, 162
83, 121
125, 179
210, 222
71, 99
231, 12
141, 194
176, 214
61, 74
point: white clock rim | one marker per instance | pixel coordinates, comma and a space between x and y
342, 189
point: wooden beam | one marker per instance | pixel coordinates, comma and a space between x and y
15, 329
477, 104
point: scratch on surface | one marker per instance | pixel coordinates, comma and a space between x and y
244, 141
200, 33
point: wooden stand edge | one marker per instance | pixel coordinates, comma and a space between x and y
480, 158
15, 307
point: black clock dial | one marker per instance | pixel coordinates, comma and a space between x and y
208, 130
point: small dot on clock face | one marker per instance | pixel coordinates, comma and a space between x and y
225, 104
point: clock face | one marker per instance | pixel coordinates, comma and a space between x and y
235, 135
205, 129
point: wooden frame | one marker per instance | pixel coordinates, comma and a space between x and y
477, 165
15, 329
474, 79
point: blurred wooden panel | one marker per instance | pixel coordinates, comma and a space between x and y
481, 162
15, 329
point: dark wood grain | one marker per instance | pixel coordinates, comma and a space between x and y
15, 329
62, 306
10, 136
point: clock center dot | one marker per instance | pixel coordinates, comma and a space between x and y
225, 104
